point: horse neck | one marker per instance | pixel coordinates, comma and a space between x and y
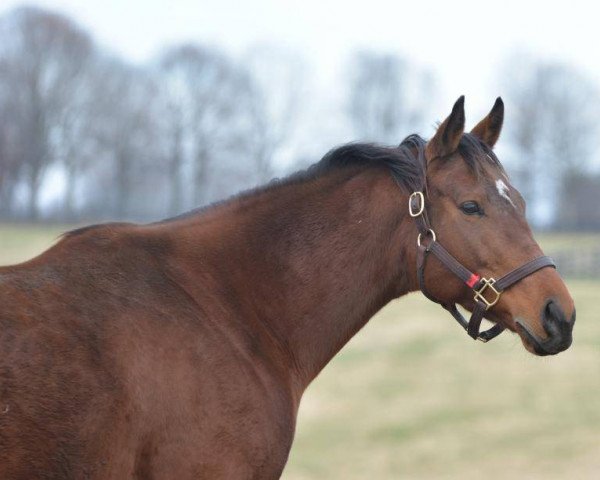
311, 261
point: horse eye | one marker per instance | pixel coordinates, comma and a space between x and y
471, 208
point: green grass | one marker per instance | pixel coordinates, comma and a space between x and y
413, 397
22, 242
566, 241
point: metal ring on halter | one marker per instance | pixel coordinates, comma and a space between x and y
421, 198
430, 232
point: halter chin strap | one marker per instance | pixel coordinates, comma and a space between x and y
486, 291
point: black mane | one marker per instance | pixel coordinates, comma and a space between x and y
406, 163
474, 150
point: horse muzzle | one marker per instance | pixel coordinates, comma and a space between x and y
558, 329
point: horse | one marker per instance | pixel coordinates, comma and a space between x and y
182, 348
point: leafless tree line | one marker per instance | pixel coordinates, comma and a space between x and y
126, 141
85, 134
554, 118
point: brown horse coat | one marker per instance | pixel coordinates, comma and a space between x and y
180, 350
108, 366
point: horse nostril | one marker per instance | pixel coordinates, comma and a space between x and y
554, 318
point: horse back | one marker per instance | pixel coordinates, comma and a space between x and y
106, 363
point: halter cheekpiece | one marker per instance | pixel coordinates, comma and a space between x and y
486, 291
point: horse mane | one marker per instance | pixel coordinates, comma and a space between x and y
476, 153
406, 162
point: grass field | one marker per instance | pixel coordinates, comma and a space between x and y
413, 397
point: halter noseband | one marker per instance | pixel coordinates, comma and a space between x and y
486, 291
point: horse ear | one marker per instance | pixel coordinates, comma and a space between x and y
448, 135
488, 130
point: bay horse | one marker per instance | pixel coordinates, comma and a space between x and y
181, 349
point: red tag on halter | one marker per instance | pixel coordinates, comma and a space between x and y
473, 280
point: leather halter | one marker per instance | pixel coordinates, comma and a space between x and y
486, 291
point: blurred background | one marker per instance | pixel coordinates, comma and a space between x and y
138, 110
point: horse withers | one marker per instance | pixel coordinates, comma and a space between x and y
181, 349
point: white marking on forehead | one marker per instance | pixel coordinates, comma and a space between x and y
503, 191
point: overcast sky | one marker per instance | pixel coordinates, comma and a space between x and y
463, 41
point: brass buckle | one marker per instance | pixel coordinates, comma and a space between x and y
488, 284
421, 198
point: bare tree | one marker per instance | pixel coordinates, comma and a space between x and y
125, 130
197, 125
526, 129
553, 127
175, 122
387, 96
11, 144
44, 56
570, 117
75, 140
202, 88
275, 80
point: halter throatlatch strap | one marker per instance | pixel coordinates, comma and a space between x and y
486, 291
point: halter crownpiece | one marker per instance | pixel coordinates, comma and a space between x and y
486, 291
